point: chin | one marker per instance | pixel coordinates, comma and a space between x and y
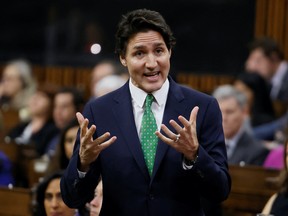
153, 87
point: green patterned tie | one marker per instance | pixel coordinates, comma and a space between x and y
148, 138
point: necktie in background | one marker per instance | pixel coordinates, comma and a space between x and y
148, 138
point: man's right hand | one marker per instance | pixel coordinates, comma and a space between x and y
89, 148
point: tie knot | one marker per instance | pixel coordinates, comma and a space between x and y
149, 100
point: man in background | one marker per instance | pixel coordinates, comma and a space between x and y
242, 147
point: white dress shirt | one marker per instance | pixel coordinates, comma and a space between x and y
232, 143
277, 79
158, 105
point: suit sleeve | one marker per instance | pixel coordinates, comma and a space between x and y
211, 166
77, 191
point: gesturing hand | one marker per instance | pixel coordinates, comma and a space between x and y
89, 148
185, 141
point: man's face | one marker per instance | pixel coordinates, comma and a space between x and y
258, 62
64, 110
233, 116
148, 60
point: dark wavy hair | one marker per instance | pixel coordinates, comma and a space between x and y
60, 160
40, 192
141, 20
268, 45
262, 108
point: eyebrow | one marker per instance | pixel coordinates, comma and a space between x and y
154, 45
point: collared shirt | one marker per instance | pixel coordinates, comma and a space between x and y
277, 79
232, 143
157, 107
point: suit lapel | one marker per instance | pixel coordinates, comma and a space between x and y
173, 109
125, 119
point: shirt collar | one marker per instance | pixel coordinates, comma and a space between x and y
139, 96
234, 140
280, 73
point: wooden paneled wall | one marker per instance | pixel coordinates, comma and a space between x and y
272, 20
205, 82
64, 76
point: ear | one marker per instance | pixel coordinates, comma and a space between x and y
170, 52
122, 60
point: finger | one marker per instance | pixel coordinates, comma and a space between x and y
168, 132
80, 118
84, 128
107, 143
175, 125
193, 115
101, 139
184, 121
90, 132
83, 123
163, 138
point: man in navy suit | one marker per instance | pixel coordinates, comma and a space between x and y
190, 161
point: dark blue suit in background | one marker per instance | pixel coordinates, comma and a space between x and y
128, 189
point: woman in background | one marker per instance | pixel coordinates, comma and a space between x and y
278, 203
17, 86
64, 148
255, 88
49, 200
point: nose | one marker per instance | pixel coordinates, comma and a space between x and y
151, 61
54, 202
95, 202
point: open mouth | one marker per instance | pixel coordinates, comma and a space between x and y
151, 74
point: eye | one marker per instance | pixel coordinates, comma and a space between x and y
159, 51
48, 196
139, 53
69, 140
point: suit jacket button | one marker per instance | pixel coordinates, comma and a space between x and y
151, 196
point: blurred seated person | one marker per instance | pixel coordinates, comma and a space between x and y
278, 203
17, 86
96, 203
266, 58
260, 106
273, 131
34, 131
64, 149
67, 101
242, 147
274, 159
108, 84
49, 200
6, 172
104, 68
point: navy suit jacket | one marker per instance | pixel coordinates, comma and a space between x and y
127, 187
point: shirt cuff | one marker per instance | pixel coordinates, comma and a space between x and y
188, 165
81, 174
185, 166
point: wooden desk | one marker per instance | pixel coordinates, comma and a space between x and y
15, 201
250, 190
